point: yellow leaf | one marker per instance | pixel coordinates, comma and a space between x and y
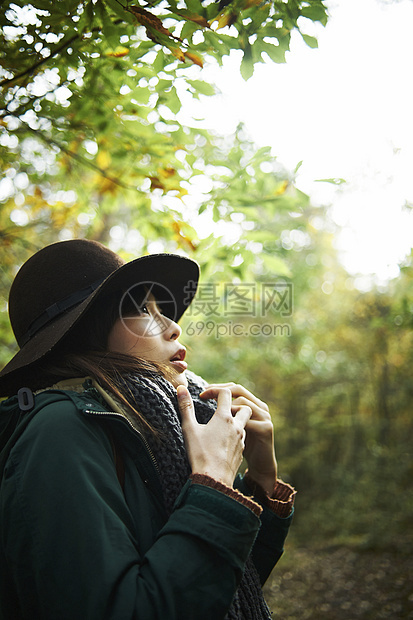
106, 186
118, 52
226, 19
178, 53
198, 19
103, 159
151, 21
74, 146
166, 172
156, 183
250, 3
281, 189
182, 238
197, 60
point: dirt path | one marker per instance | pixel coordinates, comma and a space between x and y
341, 584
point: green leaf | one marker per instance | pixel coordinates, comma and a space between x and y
111, 32
119, 10
262, 154
275, 52
316, 13
203, 88
188, 30
303, 198
247, 65
310, 41
163, 85
172, 101
159, 62
195, 6
334, 181
276, 265
141, 95
143, 48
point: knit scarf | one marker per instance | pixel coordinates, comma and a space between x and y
155, 398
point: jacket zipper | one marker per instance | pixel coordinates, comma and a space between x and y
135, 430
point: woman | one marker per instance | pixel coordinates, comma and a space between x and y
120, 497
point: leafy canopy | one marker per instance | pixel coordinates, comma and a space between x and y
91, 89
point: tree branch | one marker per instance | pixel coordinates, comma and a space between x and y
77, 157
38, 64
56, 51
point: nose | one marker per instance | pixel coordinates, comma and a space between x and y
172, 331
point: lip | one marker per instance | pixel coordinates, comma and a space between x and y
179, 365
178, 360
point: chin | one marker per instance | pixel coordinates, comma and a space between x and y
179, 379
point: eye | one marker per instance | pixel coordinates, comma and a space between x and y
143, 309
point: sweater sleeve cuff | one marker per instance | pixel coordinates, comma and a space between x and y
223, 488
282, 498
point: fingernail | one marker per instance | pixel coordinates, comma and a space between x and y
181, 391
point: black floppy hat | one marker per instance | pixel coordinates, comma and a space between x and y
63, 282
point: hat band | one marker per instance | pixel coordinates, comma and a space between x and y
57, 309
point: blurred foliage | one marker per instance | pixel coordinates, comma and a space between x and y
336, 373
92, 146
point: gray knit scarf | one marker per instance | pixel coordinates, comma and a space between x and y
155, 398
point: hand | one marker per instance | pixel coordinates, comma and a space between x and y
259, 444
215, 448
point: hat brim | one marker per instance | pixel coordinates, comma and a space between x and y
175, 274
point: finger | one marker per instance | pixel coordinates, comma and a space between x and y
214, 390
229, 384
236, 390
258, 428
186, 405
224, 400
241, 391
258, 412
242, 413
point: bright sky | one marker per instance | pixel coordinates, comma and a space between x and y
345, 109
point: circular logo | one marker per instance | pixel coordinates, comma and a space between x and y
134, 303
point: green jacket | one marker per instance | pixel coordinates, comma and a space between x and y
75, 544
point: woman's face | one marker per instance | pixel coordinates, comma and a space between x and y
152, 336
